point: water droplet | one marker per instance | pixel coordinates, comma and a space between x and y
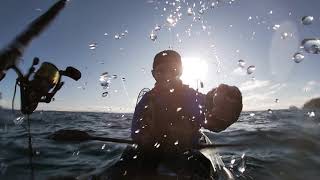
105, 34
311, 114
171, 90
153, 36
171, 21
93, 46
105, 94
269, 111
124, 173
135, 157
232, 161
179, 109
212, 5
284, 35
19, 120
298, 57
204, 27
201, 11
114, 76
135, 146
123, 79
106, 86
190, 157
37, 153
103, 146
137, 131
252, 114
307, 20
157, 145
276, 27
189, 11
157, 28
251, 69
271, 12
242, 166
117, 36
104, 79
276, 100
39, 9
143, 70
311, 45
249, 18
241, 63
176, 143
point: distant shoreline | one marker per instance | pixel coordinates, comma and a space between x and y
312, 104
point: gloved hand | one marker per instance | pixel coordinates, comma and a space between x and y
223, 107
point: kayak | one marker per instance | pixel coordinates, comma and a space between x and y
204, 164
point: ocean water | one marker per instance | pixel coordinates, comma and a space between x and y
283, 144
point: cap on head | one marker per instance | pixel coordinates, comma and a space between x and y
167, 56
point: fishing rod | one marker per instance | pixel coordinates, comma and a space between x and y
9, 56
46, 81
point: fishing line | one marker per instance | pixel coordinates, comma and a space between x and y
312, 32
125, 90
30, 148
14, 95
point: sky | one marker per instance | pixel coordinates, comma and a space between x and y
211, 41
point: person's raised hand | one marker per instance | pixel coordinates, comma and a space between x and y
224, 105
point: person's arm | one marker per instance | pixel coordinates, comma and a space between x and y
137, 123
223, 107
141, 128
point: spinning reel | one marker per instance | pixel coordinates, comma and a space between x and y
41, 85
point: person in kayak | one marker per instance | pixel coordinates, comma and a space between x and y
170, 116
166, 124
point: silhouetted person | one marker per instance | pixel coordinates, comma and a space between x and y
170, 115
167, 120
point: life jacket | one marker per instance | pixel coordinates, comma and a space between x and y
173, 116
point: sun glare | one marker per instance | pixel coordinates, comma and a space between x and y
194, 71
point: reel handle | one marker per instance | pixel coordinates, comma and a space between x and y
72, 73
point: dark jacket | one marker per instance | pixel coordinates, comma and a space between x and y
169, 117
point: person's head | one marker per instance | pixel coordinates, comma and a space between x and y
167, 65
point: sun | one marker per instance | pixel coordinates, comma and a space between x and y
194, 71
